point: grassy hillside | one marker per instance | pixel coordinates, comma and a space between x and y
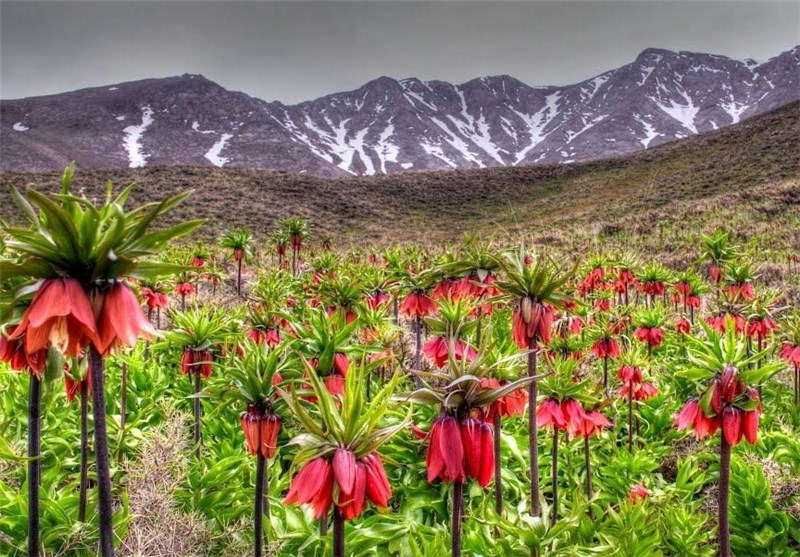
752, 166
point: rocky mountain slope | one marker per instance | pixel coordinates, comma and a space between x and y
390, 126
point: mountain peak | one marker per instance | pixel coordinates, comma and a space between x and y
390, 125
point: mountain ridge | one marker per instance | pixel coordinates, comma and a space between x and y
390, 125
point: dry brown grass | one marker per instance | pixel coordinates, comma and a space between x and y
157, 528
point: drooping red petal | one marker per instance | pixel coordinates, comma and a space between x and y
309, 481
434, 459
750, 426
486, 471
358, 496
377, 487
471, 441
452, 450
270, 428
732, 425
344, 470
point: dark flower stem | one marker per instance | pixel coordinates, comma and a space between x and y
258, 514
34, 464
239, 278
630, 417
101, 454
605, 375
589, 486
323, 525
458, 503
123, 410
418, 348
338, 533
533, 433
197, 414
555, 474
724, 492
498, 467
84, 481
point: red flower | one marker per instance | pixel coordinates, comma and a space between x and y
630, 374
732, 425
121, 320
790, 353
652, 336
574, 416
550, 414
197, 361
251, 427
417, 304
532, 320
687, 415
605, 348
270, 428
60, 314
460, 450
761, 327
377, 299
12, 351
750, 425
313, 485
184, 288
437, 350
445, 458
638, 493
693, 416
449, 289
378, 489
512, 404
593, 424
198, 261
682, 326
72, 387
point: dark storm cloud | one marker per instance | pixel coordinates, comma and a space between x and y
292, 51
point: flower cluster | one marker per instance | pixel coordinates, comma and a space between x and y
460, 449
260, 430
355, 480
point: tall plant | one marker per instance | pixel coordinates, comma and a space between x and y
727, 401
73, 259
537, 289
338, 459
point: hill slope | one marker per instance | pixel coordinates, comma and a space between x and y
389, 126
759, 157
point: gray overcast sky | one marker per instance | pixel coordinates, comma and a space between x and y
292, 51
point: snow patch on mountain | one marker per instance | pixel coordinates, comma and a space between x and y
133, 134
650, 132
214, 154
537, 123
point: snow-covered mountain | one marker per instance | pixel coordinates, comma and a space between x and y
390, 126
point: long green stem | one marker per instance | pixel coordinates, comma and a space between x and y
34, 464
101, 454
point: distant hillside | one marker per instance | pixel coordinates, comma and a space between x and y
759, 157
391, 126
